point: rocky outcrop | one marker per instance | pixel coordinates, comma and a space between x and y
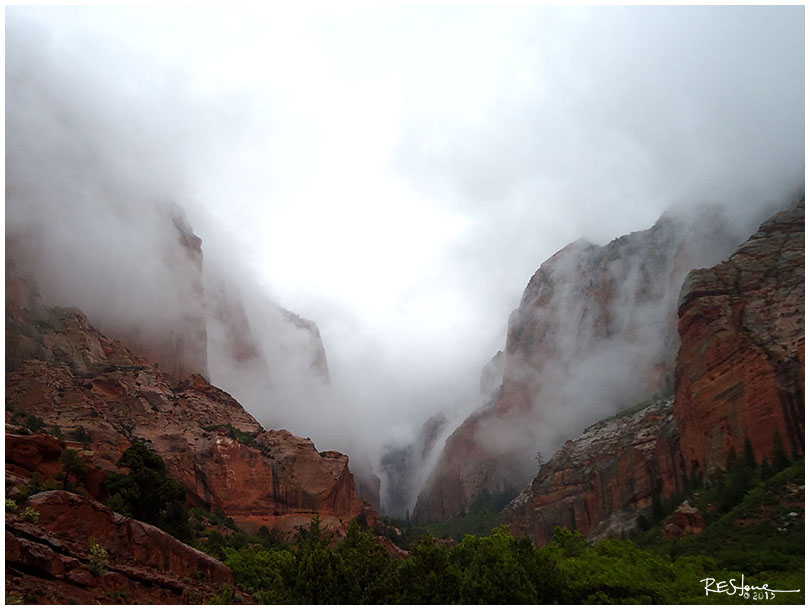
51, 559
596, 329
740, 367
93, 388
40, 453
684, 521
600, 482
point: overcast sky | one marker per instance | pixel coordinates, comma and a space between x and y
398, 174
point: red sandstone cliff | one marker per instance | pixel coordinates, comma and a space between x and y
741, 363
596, 330
600, 482
49, 561
740, 372
71, 376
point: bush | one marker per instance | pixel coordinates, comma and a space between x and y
81, 435
11, 505
148, 493
29, 514
99, 559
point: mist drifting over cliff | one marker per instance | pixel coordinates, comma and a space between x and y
400, 194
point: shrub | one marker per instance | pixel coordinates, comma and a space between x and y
11, 505
29, 514
81, 435
99, 559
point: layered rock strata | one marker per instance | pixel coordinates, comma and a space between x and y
600, 482
71, 376
52, 560
596, 329
740, 367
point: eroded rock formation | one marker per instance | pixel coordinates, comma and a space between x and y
600, 482
739, 373
50, 561
740, 367
71, 376
596, 330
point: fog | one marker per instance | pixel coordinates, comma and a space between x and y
394, 174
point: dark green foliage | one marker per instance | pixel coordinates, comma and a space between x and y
246, 438
81, 435
779, 457
495, 569
500, 569
762, 536
479, 520
148, 493
27, 424
749, 458
72, 463
427, 576
34, 423
365, 572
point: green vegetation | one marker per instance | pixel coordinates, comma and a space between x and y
36, 485
11, 505
99, 559
760, 537
72, 463
27, 424
479, 520
246, 438
30, 514
763, 533
492, 569
81, 435
148, 493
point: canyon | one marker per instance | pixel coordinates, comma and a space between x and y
596, 331
710, 356
739, 375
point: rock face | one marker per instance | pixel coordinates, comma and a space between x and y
601, 481
740, 367
739, 373
71, 376
144, 564
159, 313
39, 453
684, 521
596, 330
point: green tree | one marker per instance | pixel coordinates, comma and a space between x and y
779, 457
364, 569
427, 576
72, 463
491, 570
315, 580
749, 459
148, 493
